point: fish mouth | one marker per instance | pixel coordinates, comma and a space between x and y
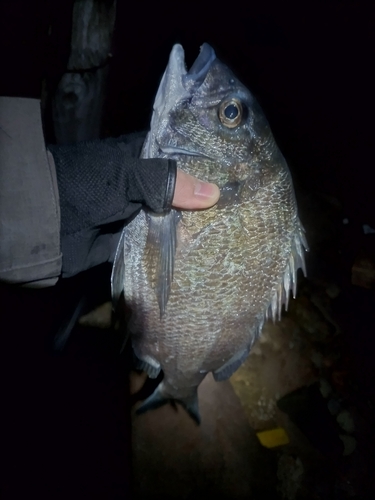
189, 81
199, 69
177, 84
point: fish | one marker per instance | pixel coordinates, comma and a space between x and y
199, 285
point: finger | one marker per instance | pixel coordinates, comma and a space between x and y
191, 193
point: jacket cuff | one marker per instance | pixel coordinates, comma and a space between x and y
171, 184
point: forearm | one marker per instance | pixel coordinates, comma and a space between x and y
62, 210
102, 183
29, 204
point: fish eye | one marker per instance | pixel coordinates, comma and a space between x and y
230, 113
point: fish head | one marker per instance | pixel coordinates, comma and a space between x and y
207, 112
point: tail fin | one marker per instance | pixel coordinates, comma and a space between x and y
157, 399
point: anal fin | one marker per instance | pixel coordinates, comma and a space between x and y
158, 399
148, 365
228, 368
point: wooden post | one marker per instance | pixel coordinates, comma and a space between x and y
78, 102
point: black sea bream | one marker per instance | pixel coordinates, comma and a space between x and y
200, 284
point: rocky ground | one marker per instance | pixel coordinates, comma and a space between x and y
307, 375
71, 427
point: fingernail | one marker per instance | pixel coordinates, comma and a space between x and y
206, 190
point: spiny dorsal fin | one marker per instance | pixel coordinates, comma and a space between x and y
289, 280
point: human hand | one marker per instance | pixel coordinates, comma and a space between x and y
191, 193
104, 183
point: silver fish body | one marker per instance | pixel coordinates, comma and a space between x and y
200, 284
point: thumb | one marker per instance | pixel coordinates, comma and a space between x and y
191, 193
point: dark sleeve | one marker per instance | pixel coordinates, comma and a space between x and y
105, 181
101, 184
30, 252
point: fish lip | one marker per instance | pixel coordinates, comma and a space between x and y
171, 82
177, 80
199, 69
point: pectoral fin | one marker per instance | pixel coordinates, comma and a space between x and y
161, 249
118, 271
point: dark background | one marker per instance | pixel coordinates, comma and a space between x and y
310, 65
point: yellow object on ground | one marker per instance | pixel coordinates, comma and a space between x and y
273, 437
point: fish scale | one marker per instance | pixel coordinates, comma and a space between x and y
200, 284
